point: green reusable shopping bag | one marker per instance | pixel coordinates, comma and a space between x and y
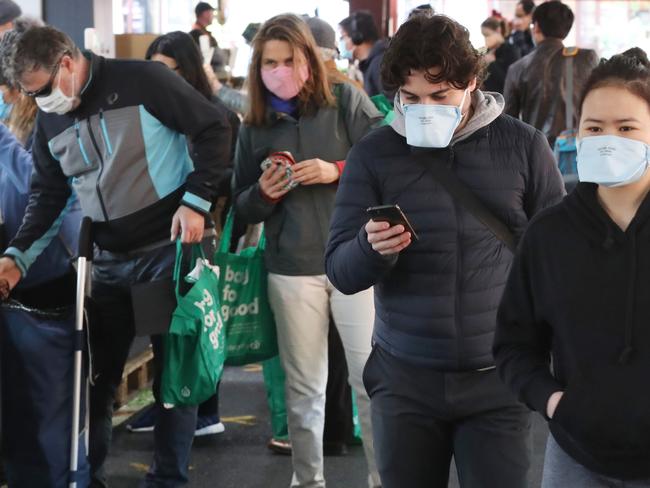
274, 379
247, 316
195, 344
385, 106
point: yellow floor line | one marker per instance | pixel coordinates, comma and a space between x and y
247, 420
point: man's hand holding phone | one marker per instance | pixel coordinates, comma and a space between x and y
389, 231
387, 239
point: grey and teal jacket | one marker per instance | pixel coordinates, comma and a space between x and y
124, 152
297, 226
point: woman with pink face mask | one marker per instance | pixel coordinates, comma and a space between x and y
294, 108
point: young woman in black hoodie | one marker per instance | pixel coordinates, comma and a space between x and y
578, 295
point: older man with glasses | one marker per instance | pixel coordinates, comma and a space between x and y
116, 132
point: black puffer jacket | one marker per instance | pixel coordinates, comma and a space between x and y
436, 302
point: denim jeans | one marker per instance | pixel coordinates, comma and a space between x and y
111, 333
561, 470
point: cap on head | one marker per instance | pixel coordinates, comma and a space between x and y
250, 31
9, 11
323, 33
6, 46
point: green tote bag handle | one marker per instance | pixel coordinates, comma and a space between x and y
226, 235
197, 252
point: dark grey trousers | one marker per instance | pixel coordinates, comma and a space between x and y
111, 333
422, 417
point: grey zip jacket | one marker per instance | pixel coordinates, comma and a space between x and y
297, 226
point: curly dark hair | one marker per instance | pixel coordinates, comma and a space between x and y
629, 70
423, 43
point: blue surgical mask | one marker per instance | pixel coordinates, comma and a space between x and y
344, 52
612, 160
432, 125
5, 108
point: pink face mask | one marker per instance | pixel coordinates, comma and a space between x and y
282, 82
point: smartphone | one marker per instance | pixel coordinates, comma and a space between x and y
393, 215
284, 159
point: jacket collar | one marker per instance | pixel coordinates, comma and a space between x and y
549, 44
93, 75
377, 49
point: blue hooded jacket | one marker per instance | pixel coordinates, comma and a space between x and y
15, 175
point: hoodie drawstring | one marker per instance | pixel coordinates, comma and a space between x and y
628, 349
609, 241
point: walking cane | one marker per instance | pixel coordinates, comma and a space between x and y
85, 256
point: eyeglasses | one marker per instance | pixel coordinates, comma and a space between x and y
47, 89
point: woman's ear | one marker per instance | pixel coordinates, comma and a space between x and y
472, 85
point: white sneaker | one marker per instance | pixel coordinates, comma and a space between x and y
208, 425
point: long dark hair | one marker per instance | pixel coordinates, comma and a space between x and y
181, 48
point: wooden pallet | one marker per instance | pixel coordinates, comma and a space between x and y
138, 373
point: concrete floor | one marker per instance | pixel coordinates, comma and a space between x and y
239, 458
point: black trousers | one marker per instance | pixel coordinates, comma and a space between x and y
339, 426
422, 417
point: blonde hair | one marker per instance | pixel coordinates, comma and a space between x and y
316, 91
22, 118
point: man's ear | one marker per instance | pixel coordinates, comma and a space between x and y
67, 61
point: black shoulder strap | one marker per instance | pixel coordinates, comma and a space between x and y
463, 195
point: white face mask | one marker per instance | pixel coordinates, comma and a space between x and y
58, 102
612, 160
432, 125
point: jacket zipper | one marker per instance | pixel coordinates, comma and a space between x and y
104, 131
101, 169
459, 266
312, 198
84, 155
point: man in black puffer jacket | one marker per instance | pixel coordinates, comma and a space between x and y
434, 391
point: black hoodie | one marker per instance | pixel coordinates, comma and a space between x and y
371, 69
579, 292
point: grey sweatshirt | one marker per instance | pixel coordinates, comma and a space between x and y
487, 107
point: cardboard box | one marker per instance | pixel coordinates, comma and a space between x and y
132, 46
